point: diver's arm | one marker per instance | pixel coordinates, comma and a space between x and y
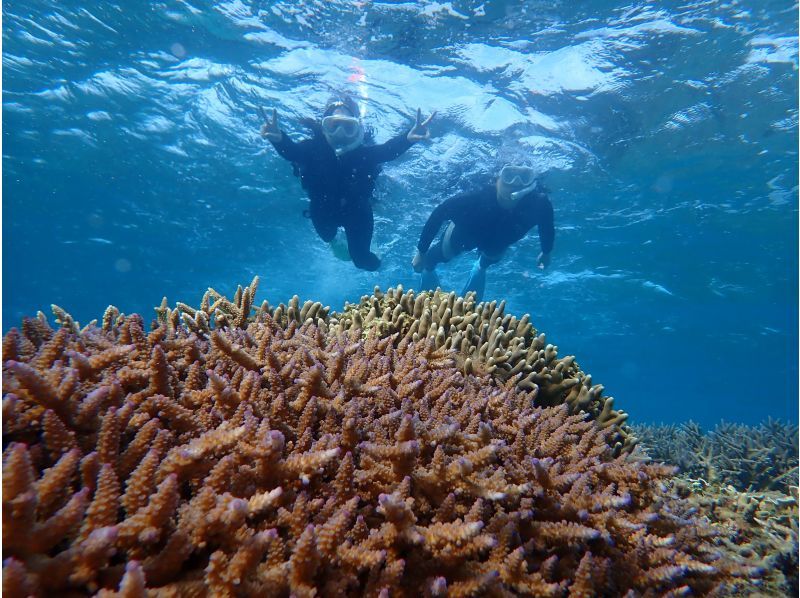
394, 148
286, 148
289, 150
547, 232
444, 211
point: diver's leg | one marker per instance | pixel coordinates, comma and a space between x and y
324, 221
476, 281
440, 252
358, 226
477, 277
429, 279
433, 257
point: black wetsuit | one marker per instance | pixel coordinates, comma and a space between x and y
340, 188
480, 222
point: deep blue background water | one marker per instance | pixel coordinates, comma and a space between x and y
668, 132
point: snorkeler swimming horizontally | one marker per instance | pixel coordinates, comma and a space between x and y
338, 170
489, 220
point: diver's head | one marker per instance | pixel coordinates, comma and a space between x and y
515, 181
341, 125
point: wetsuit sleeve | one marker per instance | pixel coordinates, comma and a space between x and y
390, 150
547, 233
291, 151
444, 211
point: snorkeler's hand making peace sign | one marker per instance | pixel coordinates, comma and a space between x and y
420, 132
270, 129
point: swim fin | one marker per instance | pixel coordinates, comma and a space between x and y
429, 280
339, 246
476, 281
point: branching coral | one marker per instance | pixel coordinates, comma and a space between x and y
485, 340
760, 527
749, 458
270, 457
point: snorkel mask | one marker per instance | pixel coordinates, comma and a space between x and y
517, 181
343, 132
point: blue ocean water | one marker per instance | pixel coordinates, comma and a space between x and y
667, 131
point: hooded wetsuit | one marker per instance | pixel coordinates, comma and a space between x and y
340, 188
480, 222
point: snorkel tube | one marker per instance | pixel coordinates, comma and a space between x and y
351, 145
516, 195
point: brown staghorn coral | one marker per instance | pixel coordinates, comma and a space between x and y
759, 527
744, 481
282, 459
749, 458
485, 340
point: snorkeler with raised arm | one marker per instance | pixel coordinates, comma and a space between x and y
490, 220
338, 168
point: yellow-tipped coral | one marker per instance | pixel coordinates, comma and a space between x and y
483, 337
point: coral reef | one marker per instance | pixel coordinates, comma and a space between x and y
483, 336
749, 458
760, 527
744, 481
289, 453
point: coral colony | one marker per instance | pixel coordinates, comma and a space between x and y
414, 444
